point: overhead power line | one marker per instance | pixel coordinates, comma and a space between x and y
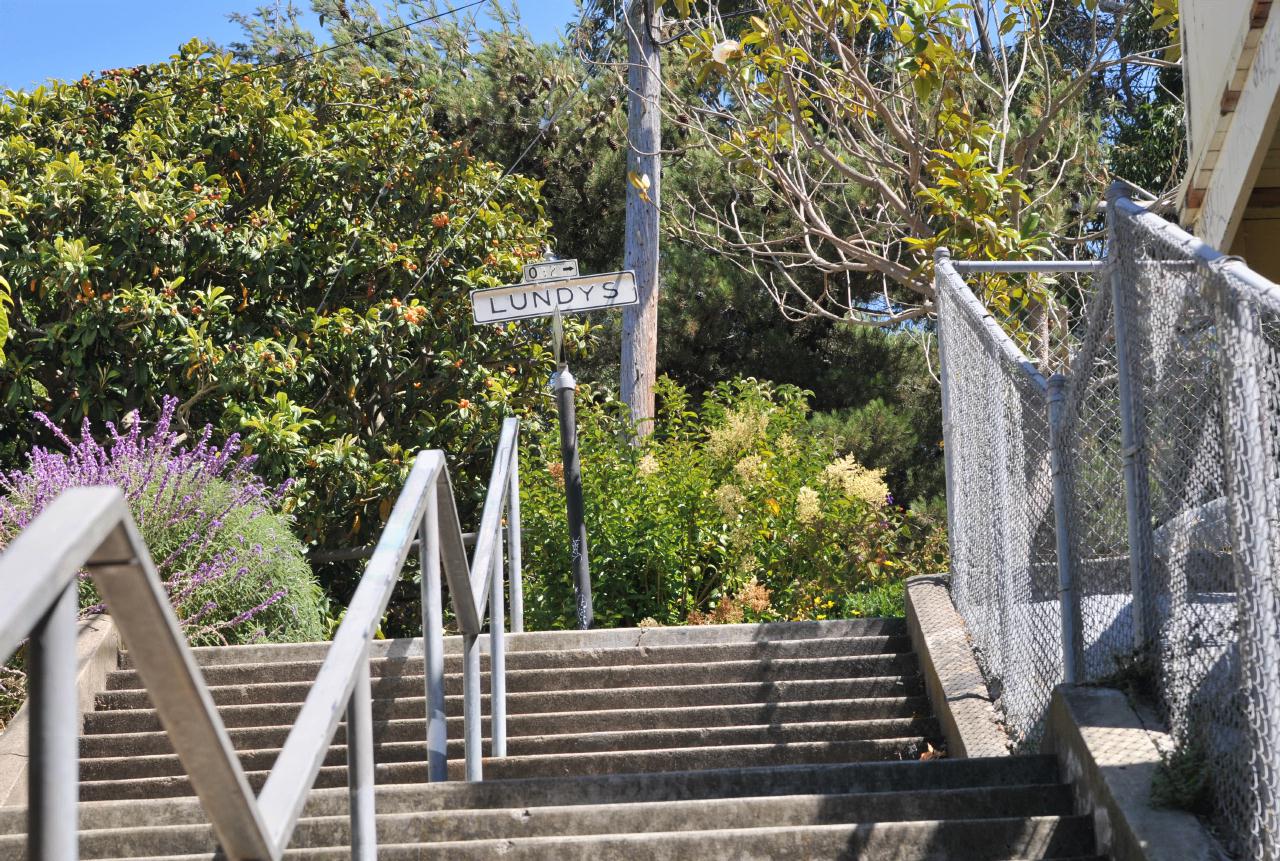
262, 69
546, 123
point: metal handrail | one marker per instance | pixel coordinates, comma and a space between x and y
91, 528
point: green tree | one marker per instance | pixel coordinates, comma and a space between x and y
882, 130
284, 251
540, 107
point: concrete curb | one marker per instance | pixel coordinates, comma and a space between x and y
97, 654
1110, 754
956, 688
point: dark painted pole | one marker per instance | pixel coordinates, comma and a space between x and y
564, 385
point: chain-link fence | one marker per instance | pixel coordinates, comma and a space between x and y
1000, 504
1141, 506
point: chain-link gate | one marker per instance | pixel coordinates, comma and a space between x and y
1158, 450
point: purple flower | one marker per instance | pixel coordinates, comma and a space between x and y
168, 487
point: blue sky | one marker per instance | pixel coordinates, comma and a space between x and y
41, 39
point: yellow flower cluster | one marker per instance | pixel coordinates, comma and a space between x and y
750, 469
730, 499
786, 445
855, 481
808, 505
647, 466
739, 432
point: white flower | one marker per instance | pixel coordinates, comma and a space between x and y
750, 469
729, 49
647, 466
808, 505
739, 432
855, 481
729, 499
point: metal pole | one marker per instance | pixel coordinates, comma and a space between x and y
497, 657
564, 385
1069, 600
433, 641
515, 577
472, 719
1137, 507
53, 778
963, 266
942, 256
360, 781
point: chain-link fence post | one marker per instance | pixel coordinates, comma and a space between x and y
1137, 503
1068, 594
940, 255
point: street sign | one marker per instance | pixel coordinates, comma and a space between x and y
553, 288
544, 298
548, 269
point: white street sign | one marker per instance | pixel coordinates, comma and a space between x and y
549, 269
542, 299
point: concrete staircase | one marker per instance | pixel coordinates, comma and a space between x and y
798, 740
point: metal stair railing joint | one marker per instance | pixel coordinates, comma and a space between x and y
91, 529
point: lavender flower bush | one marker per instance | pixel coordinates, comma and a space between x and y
234, 571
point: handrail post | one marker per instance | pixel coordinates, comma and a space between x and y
53, 778
360, 770
497, 657
472, 719
513, 544
433, 641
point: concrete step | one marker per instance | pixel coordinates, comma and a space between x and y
130, 764
558, 764
539, 702
559, 641
569, 679
305, 671
838, 778
624, 720
996, 839
974, 840
628, 818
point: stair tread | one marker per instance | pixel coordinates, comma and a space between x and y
559, 764
550, 723
627, 818
572, 640
305, 670
579, 680
726, 693
138, 765
514, 792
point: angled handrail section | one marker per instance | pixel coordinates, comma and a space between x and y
91, 529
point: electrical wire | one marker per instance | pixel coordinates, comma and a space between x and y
543, 126
255, 71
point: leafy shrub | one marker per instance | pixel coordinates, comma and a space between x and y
232, 568
287, 251
734, 513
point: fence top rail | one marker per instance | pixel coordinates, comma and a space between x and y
963, 266
971, 305
1262, 289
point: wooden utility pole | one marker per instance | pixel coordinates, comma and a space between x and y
644, 141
